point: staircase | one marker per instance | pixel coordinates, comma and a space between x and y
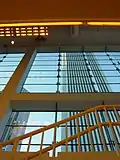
43, 152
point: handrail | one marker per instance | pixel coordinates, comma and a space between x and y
16, 140
71, 138
55, 124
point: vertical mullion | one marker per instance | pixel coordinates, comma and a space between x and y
72, 71
26, 155
77, 78
94, 133
101, 131
54, 141
118, 117
58, 76
71, 133
112, 131
75, 132
89, 132
41, 144
66, 129
82, 127
68, 73
78, 131
100, 79
106, 132
85, 135
115, 128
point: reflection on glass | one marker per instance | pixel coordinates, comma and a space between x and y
8, 64
74, 73
25, 122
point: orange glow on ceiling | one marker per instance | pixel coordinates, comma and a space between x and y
40, 24
104, 23
34, 25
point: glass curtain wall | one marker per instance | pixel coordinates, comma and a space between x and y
24, 122
8, 64
74, 73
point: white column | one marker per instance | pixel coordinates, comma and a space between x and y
15, 85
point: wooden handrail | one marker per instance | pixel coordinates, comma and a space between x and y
57, 123
16, 140
72, 138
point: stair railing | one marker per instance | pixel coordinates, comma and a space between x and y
88, 130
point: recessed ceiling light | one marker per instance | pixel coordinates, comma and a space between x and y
12, 42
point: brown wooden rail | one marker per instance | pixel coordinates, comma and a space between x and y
106, 108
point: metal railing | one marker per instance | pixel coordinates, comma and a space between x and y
77, 136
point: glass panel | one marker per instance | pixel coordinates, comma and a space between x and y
74, 73
7, 69
46, 54
113, 79
41, 81
5, 74
13, 55
44, 68
47, 63
8, 64
45, 58
2, 87
40, 88
42, 73
115, 87
41, 118
25, 122
107, 67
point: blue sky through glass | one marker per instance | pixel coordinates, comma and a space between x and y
47, 76
43, 77
8, 64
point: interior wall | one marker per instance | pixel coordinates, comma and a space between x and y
92, 38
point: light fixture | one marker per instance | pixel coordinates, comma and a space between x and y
104, 23
40, 24
23, 31
17, 34
12, 42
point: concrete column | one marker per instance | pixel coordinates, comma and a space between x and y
15, 85
4, 121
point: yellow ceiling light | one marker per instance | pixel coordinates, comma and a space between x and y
23, 31
104, 23
29, 28
29, 34
40, 24
35, 27
23, 34
17, 34
8, 35
42, 27
7, 31
29, 31
36, 31
35, 34
23, 28
42, 34
42, 30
